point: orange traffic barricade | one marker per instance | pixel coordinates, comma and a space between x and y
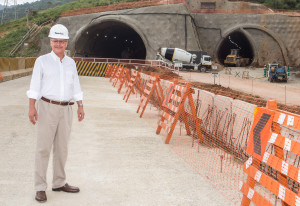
109, 70
125, 79
152, 85
135, 81
114, 72
266, 130
177, 95
118, 76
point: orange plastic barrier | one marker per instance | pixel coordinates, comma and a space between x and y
134, 81
118, 76
152, 84
286, 172
114, 72
125, 79
260, 130
168, 95
254, 196
109, 70
182, 93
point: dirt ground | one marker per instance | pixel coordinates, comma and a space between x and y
246, 84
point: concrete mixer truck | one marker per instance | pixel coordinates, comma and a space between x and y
196, 60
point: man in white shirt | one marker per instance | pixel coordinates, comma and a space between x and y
53, 85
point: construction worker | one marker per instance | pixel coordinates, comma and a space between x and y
53, 86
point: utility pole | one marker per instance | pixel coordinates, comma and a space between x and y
27, 14
4, 11
15, 5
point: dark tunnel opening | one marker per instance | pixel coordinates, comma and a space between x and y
236, 40
111, 39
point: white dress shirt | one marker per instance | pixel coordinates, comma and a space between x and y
54, 79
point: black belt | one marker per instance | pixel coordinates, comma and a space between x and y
56, 102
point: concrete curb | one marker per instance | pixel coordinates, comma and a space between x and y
10, 75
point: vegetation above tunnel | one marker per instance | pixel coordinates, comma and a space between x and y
281, 4
12, 32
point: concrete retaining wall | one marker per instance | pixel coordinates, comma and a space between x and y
158, 26
272, 36
12, 68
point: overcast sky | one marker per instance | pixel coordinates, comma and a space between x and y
11, 2
25, 1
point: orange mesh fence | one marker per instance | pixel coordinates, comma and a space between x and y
217, 137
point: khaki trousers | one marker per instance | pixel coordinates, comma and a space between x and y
53, 128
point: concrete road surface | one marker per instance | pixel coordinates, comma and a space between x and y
115, 157
286, 93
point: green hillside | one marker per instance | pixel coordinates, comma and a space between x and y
31, 7
281, 4
12, 32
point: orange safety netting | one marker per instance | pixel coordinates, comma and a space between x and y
226, 140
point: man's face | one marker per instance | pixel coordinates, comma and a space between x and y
58, 45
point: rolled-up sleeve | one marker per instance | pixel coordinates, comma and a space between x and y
35, 84
77, 93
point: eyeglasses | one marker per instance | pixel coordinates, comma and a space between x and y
59, 41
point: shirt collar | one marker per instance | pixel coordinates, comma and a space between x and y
55, 57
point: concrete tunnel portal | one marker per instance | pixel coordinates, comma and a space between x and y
116, 39
235, 40
110, 39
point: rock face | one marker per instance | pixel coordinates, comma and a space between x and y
261, 35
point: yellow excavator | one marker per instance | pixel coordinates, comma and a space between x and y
234, 59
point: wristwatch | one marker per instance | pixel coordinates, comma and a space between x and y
80, 105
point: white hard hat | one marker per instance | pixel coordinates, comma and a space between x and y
59, 31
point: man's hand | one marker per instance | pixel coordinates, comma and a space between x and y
80, 113
33, 116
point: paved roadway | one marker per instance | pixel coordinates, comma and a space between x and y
288, 93
115, 157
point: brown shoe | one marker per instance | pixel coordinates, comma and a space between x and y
67, 188
41, 196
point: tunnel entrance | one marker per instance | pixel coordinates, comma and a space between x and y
111, 39
236, 40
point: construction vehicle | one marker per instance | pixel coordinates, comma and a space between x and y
200, 61
196, 60
276, 72
234, 59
